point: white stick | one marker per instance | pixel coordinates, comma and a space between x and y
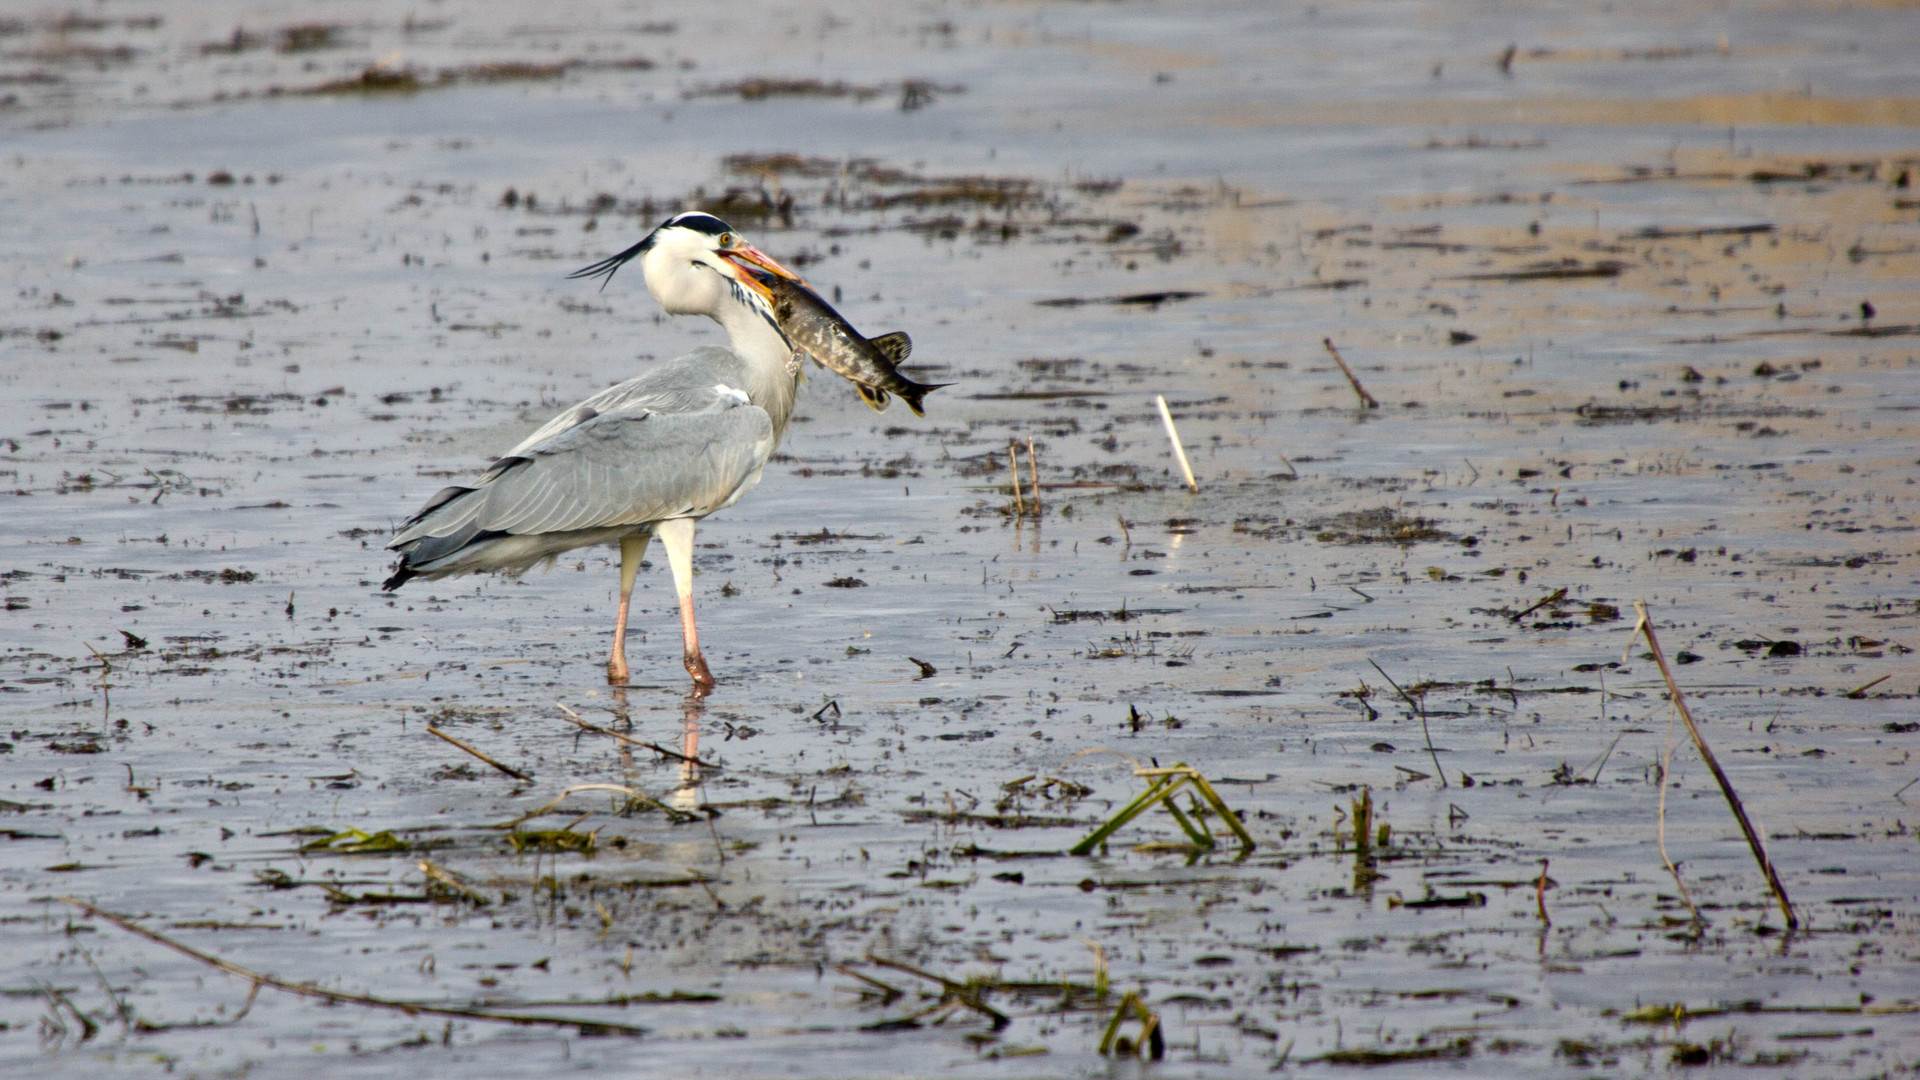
1173, 435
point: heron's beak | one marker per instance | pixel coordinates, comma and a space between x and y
756, 265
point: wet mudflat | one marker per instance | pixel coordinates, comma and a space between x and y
1635, 299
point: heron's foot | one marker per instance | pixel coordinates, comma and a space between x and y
617, 671
697, 667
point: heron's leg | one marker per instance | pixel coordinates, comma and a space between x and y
632, 549
677, 535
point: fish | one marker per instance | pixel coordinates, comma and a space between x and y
869, 363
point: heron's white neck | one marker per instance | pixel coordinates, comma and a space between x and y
773, 383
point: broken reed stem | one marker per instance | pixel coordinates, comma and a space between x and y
1033, 476
1150, 1044
1013, 470
1173, 435
892, 993
1164, 784
1553, 597
1366, 399
508, 769
259, 979
1422, 710
1859, 692
574, 718
1645, 626
446, 880
964, 993
1540, 895
1660, 824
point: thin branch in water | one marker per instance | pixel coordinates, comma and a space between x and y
1553, 597
1420, 708
447, 880
1367, 400
574, 718
1173, 436
1540, 895
1859, 692
411, 1008
1660, 825
1645, 627
121, 1010
892, 993
508, 769
1033, 476
963, 993
1604, 758
1013, 470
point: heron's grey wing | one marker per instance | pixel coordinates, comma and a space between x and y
627, 468
684, 384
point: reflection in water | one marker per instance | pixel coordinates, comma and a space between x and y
1364, 872
687, 795
622, 714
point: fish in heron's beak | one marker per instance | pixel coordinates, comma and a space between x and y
823, 333
754, 262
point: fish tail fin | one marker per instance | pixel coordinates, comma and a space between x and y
916, 393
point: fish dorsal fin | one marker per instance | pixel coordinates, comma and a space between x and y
895, 346
875, 399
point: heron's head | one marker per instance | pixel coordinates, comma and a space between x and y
692, 265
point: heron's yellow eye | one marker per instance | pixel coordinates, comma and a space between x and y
726, 239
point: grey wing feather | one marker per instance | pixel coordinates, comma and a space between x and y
624, 468
681, 385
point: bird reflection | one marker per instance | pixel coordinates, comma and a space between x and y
687, 795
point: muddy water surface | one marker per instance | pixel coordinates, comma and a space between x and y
1635, 300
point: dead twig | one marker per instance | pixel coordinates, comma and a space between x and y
1553, 597
445, 879
1861, 691
1173, 436
1163, 784
1660, 827
574, 718
508, 769
411, 1008
1645, 626
1150, 1044
964, 993
1013, 470
1421, 708
892, 993
1540, 895
1367, 400
1033, 476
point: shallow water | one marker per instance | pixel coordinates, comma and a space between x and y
1610, 300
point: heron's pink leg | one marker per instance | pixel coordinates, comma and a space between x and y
632, 548
677, 536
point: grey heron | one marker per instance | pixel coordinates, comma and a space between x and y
647, 457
